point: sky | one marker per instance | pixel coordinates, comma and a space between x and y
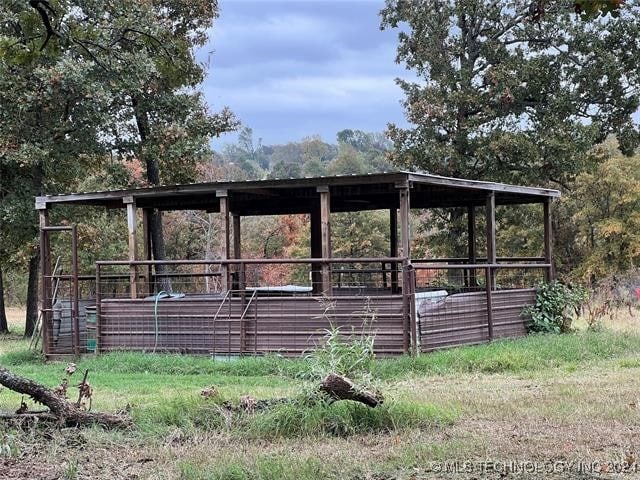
291, 69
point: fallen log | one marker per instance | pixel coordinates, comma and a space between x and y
60, 410
339, 387
334, 387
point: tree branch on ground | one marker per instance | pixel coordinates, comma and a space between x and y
60, 411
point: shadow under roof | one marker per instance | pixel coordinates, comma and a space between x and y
300, 195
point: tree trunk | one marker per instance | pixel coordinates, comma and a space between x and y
157, 248
4, 327
153, 177
31, 316
60, 410
32, 296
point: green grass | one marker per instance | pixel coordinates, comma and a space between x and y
162, 391
530, 353
263, 467
293, 419
441, 405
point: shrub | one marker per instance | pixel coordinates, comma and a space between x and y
555, 307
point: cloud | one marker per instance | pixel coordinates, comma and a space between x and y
292, 69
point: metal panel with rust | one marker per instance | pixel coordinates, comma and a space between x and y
286, 325
462, 318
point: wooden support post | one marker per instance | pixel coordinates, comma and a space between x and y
491, 258
471, 229
393, 250
406, 309
315, 235
237, 251
325, 235
491, 227
75, 311
548, 240
149, 287
489, 292
46, 307
131, 226
224, 251
405, 233
98, 310
405, 241
412, 309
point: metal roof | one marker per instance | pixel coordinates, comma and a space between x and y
299, 195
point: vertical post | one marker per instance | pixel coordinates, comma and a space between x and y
224, 253
45, 284
404, 244
404, 222
406, 309
149, 288
98, 309
75, 312
325, 235
491, 227
548, 240
237, 250
130, 202
315, 235
489, 290
412, 309
393, 250
471, 230
491, 258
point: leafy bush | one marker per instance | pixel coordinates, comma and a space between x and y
555, 307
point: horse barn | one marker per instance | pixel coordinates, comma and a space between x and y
227, 306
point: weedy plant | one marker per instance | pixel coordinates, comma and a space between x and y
555, 307
349, 353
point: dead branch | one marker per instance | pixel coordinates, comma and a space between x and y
60, 410
335, 387
338, 387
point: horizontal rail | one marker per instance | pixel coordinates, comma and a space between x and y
479, 266
57, 228
252, 261
87, 277
478, 259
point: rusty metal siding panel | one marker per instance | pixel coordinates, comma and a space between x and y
462, 319
286, 325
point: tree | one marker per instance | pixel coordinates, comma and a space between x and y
606, 218
49, 133
505, 95
248, 155
501, 96
81, 80
4, 325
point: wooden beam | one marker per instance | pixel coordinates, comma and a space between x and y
237, 250
393, 247
471, 243
548, 240
46, 307
315, 246
325, 235
491, 227
132, 223
146, 251
225, 250
491, 258
405, 233
237, 242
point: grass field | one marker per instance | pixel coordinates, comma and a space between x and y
555, 403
